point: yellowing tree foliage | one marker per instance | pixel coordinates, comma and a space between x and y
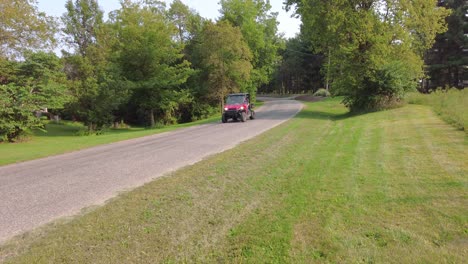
23, 27
225, 58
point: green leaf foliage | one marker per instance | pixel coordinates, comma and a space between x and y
82, 20
258, 26
148, 57
23, 27
187, 21
366, 40
17, 106
42, 74
94, 83
35, 84
225, 60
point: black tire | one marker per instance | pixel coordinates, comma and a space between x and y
252, 115
223, 119
243, 117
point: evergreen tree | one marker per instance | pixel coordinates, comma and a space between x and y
447, 59
299, 71
38, 83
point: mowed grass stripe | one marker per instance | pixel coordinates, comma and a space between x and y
323, 187
270, 229
416, 185
323, 222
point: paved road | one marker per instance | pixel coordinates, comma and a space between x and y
36, 192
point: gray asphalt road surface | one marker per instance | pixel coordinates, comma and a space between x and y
36, 192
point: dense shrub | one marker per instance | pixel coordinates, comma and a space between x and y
450, 104
382, 88
203, 110
16, 113
322, 92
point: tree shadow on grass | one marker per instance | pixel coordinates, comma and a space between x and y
334, 114
57, 130
77, 131
322, 115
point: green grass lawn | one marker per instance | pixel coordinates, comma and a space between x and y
385, 187
451, 105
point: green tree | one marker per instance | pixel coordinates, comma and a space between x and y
38, 84
148, 58
82, 21
446, 60
23, 27
96, 92
42, 74
225, 60
7, 71
299, 71
188, 22
259, 29
367, 39
34, 82
95, 85
16, 112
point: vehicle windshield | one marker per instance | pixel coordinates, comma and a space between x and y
235, 99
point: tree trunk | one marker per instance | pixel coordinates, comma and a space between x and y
448, 82
327, 85
456, 77
151, 117
181, 34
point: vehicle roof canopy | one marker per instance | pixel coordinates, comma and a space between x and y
239, 94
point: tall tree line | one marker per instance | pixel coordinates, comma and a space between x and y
147, 64
151, 64
300, 68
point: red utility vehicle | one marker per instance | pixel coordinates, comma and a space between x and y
238, 107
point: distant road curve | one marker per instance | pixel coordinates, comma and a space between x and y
36, 192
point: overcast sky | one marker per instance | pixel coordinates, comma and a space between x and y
207, 8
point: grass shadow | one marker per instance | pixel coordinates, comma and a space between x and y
58, 130
322, 115
328, 110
